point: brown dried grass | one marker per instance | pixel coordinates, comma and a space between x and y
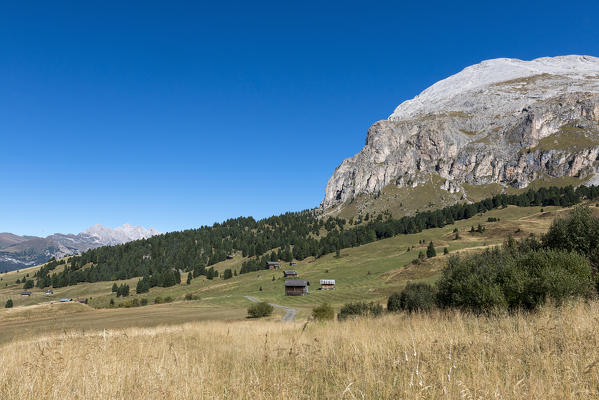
551, 354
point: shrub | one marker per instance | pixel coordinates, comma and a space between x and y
8, 304
393, 303
417, 297
144, 302
445, 250
158, 300
259, 310
509, 279
188, 296
578, 232
28, 284
168, 299
371, 309
323, 312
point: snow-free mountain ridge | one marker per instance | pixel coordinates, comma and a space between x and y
503, 121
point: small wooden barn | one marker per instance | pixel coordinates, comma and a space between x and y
273, 264
327, 284
26, 293
296, 287
290, 274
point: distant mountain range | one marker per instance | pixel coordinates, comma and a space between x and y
25, 251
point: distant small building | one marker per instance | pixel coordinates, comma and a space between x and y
327, 284
290, 273
296, 287
273, 264
65, 300
292, 263
49, 291
83, 301
229, 257
26, 293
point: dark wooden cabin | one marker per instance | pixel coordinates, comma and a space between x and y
290, 274
296, 287
273, 264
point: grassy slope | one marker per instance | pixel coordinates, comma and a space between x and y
369, 272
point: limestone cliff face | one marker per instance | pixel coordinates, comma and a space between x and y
502, 121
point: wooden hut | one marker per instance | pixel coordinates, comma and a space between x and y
327, 284
290, 274
26, 293
296, 287
273, 264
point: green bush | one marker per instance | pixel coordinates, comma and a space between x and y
393, 302
158, 300
188, 296
259, 310
509, 279
359, 308
144, 302
578, 232
323, 312
28, 284
416, 297
8, 304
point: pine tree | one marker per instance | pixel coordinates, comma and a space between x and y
189, 278
8, 303
114, 288
430, 250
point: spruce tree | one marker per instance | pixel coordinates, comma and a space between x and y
189, 278
430, 250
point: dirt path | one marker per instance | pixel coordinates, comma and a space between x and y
290, 312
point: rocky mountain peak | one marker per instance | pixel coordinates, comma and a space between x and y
502, 121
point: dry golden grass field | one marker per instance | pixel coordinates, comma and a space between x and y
551, 354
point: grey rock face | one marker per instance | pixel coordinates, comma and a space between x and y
502, 121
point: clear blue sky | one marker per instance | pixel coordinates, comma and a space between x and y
173, 115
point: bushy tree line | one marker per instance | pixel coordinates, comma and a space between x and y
293, 235
561, 265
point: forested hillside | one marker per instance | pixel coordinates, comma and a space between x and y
289, 236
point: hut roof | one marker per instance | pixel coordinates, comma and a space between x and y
291, 272
327, 281
294, 283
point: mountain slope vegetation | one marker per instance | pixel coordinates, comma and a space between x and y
160, 260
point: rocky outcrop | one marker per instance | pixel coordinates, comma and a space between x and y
502, 121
